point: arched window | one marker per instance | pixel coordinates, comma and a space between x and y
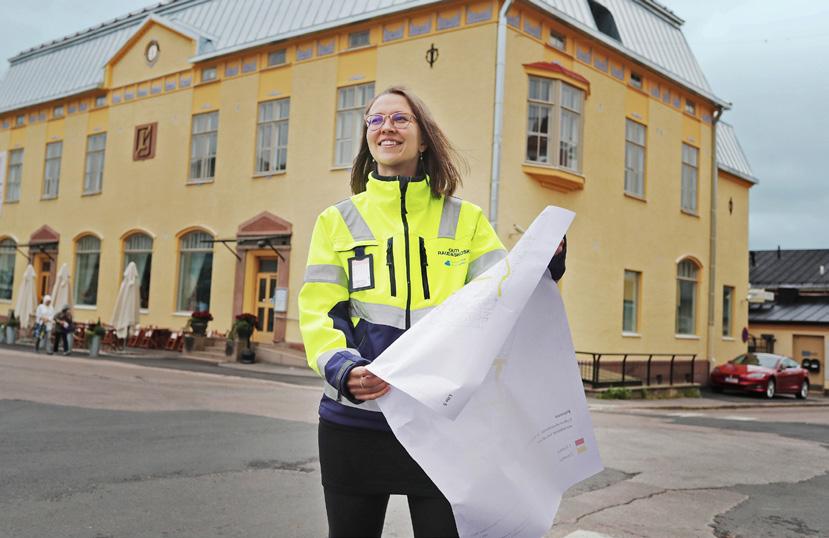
195, 270
686, 294
138, 248
7, 256
87, 262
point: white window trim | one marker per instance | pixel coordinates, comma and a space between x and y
554, 125
644, 147
194, 139
274, 124
357, 111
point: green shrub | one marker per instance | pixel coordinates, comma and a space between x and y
616, 393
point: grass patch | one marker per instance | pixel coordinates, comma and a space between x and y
616, 393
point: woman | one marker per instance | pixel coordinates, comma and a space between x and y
43, 324
64, 326
378, 262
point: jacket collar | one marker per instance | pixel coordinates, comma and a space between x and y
387, 189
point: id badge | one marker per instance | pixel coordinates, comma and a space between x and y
360, 271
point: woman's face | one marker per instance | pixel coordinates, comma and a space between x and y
396, 150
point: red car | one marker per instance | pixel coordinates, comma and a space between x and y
765, 373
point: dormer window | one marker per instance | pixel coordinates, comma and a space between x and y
57, 112
690, 107
21, 120
100, 101
557, 40
604, 20
208, 74
636, 81
358, 39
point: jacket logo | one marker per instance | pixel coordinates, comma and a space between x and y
453, 252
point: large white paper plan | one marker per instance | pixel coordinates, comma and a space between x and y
487, 395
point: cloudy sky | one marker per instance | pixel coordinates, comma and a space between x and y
766, 57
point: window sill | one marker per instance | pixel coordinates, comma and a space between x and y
689, 115
269, 175
207, 82
686, 337
144, 311
7, 202
277, 66
96, 193
728, 339
636, 197
46, 198
689, 213
199, 182
554, 177
358, 49
631, 335
88, 307
5, 301
181, 314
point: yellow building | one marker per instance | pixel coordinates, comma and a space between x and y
200, 138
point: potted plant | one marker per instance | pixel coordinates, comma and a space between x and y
199, 320
243, 329
11, 328
93, 337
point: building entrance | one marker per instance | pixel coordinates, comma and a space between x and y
43, 276
266, 280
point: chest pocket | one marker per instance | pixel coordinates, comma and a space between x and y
359, 259
444, 265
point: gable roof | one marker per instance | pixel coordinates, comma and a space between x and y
792, 269
650, 35
730, 155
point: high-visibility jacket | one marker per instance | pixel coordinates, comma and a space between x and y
379, 262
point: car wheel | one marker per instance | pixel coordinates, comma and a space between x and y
803, 393
770, 388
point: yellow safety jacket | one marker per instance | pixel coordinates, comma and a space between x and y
379, 262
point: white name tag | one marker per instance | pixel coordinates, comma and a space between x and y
361, 273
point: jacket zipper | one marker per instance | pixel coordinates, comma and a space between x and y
390, 263
424, 263
404, 184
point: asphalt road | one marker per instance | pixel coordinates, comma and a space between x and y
97, 449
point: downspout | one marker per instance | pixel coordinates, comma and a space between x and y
498, 119
712, 247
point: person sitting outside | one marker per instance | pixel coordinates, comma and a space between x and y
64, 325
44, 321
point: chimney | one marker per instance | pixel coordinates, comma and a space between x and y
778, 252
753, 257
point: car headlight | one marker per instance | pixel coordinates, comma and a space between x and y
757, 375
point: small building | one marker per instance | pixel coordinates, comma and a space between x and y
200, 139
789, 307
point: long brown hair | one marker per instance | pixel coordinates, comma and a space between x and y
441, 161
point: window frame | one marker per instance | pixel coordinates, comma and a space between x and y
363, 94
637, 286
14, 176
352, 41
275, 54
689, 181
209, 74
641, 175
694, 281
99, 157
728, 312
130, 250
80, 250
45, 193
555, 108
211, 134
277, 146
8, 257
182, 252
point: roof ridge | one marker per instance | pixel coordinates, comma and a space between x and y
101, 28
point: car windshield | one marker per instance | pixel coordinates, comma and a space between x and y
757, 359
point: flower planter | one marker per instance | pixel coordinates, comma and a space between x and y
94, 346
189, 341
199, 326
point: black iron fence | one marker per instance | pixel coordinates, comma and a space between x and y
640, 369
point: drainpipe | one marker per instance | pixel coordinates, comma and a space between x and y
712, 247
498, 119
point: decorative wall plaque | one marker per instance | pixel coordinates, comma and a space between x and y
143, 148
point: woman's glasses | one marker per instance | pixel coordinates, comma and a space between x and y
400, 120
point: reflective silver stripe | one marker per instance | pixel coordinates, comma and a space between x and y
484, 262
332, 274
449, 217
354, 220
382, 314
323, 358
368, 405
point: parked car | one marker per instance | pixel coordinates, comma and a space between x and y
764, 373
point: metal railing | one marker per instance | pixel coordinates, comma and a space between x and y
640, 369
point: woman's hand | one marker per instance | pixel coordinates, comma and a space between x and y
560, 248
364, 385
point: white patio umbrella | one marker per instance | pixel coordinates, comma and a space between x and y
128, 303
26, 299
61, 291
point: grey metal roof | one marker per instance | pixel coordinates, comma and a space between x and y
772, 269
650, 34
804, 310
730, 155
